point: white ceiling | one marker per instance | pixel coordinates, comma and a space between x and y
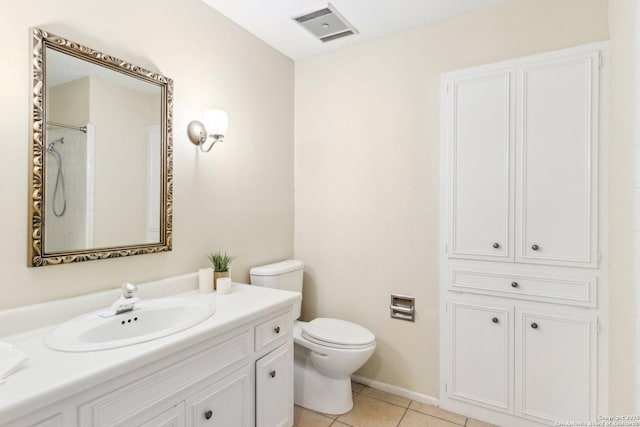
271, 21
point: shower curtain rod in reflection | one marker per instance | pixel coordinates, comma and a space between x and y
62, 125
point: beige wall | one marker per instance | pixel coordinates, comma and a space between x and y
69, 102
238, 197
121, 161
367, 168
622, 307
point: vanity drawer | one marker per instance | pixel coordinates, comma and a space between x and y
273, 330
126, 405
574, 291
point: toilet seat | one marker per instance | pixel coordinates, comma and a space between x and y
337, 333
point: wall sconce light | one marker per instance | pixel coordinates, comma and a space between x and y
214, 124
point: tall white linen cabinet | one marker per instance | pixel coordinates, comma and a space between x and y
524, 242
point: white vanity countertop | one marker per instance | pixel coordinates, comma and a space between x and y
50, 376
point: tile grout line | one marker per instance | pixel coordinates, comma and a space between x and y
402, 417
335, 421
384, 401
466, 419
406, 408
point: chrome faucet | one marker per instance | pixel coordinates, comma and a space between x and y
126, 302
129, 290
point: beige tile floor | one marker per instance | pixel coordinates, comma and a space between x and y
375, 408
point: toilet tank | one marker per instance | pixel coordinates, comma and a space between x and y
285, 275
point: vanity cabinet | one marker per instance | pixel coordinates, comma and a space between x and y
523, 204
225, 403
202, 380
54, 421
173, 417
522, 160
241, 378
274, 388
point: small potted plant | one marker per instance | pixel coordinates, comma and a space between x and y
220, 262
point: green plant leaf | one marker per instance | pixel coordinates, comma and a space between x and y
220, 261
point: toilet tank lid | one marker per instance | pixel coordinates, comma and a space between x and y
277, 268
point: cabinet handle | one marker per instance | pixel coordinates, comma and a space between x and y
495, 320
534, 325
208, 414
496, 245
276, 329
514, 284
535, 247
272, 374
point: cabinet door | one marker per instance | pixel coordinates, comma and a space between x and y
555, 366
274, 388
174, 417
226, 403
481, 354
557, 145
480, 139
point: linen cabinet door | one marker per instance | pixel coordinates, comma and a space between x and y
228, 402
480, 137
274, 388
481, 354
558, 148
555, 366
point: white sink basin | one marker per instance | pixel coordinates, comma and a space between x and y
152, 319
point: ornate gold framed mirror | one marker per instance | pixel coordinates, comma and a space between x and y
101, 183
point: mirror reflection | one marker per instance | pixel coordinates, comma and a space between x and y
102, 157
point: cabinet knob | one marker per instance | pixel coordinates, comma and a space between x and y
276, 329
535, 247
534, 325
272, 374
208, 414
514, 284
496, 245
495, 320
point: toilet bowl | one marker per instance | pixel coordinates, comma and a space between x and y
324, 362
326, 351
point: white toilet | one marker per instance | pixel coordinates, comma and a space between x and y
327, 351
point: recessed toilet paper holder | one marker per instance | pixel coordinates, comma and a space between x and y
403, 307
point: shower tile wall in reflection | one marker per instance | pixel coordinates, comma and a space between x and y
69, 227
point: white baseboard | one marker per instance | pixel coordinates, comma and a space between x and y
409, 394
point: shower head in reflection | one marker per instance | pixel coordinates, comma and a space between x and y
52, 144
59, 189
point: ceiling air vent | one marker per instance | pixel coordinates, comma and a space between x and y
326, 24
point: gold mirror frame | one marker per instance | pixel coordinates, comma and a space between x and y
36, 253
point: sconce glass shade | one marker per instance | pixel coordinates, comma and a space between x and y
216, 122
